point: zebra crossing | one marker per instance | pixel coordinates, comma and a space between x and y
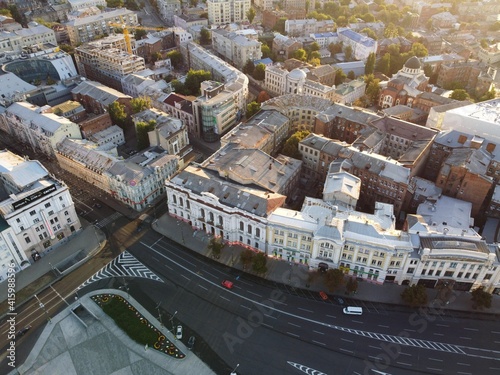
108, 220
305, 369
417, 343
124, 265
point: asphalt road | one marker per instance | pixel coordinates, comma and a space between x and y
266, 329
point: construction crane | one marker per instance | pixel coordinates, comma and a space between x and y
126, 33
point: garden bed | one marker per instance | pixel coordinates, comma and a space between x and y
136, 326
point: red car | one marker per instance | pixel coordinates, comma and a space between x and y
323, 296
227, 284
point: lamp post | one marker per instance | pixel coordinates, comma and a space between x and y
42, 306
172, 323
159, 313
125, 287
234, 370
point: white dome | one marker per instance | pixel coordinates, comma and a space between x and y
297, 74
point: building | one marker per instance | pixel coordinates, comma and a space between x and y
349, 92
87, 29
168, 9
42, 131
264, 4
325, 39
96, 97
475, 77
361, 45
109, 138
181, 108
83, 4
107, 61
227, 11
306, 27
284, 46
34, 35
37, 212
234, 48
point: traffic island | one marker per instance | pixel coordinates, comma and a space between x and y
135, 325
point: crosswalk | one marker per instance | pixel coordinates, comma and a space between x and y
417, 343
125, 265
108, 220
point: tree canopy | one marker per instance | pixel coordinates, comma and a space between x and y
251, 13
215, 245
334, 278
260, 72
481, 299
252, 109
140, 104
259, 262
415, 295
205, 37
117, 113
291, 147
142, 129
175, 58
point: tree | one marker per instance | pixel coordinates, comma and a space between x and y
142, 129
314, 61
340, 77
194, 78
139, 33
279, 26
205, 36
370, 64
249, 67
252, 109
351, 75
215, 245
480, 299
266, 51
156, 57
352, 285
488, 96
419, 50
259, 262
300, 54
193, 3
372, 91
334, 278
251, 14
140, 104
314, 55
391, 31
369, 33
291, 147
175, 58
459, 94
246, 257
384, 64
15, 14
260, 72
5, 12
415, 295
335, 48
263, 96
348, 53
314, 47
117, 113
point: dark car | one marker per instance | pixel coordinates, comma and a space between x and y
98, 205
23, 331
36, 256
190, 343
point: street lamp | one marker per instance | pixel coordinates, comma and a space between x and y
172, 323
234, 370
42, 306
159, 313
125, 287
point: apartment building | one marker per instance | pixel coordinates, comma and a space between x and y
474, 76
227, 11
34, 35
37, 209
361, 45
235, 48
306, 27
284, 46
96, 97
84, 4
181, 108
87, 29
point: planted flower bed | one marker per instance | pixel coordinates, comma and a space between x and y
135, 325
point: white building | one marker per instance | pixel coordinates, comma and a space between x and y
227, 11
235, 48
349, 92
108, 138
84, 4
17, 40
264, 4
361, 45
37, 211
325, 39
168, 9
41, 131
306, 27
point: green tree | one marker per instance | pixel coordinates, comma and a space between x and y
259, 262
251, 14
480, 299
351, 285
391, 31
249, 67
175, 58
193, 3
351, 75
205, 36
142, 128
369, 33
314, 47
488, 96
415, 295
334, 278
67, 48
246, 257
114, 3
215, 246
260, 72
340, 77
314, 61
459, 94
384, 64
300, 54
348, 53
372, 90
370, 64
156, 57
15, 14
335, 48
252, 109
291, 147
140, 104
118, 114
279, 26
5, 12
194, 78
178, 87
139, 33
484, 43
314, 55
419, 50
266, 51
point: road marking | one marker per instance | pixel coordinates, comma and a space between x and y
293, 334
434, 369
495, 332
266, 325
246, 307
438, 334
295, 325
300, 308
465, 338
496, 342
64, 299
376, 358
406, 364
357, 321
184, 276
410, 330
347, 340
318, 332
270, 316
471, 329
331, 316
227, 299
463, 364
278, 302
170, 268
494, 368
317, 342
347, 351
255, 294
408, 354
380, 325
374, 347
201, 286
465, 373
442, 325
435, 359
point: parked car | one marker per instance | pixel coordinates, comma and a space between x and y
323, 296
178, 332
98, 205
227, 284
190, 343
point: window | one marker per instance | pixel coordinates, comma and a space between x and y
242, 226
27, 239
51, 213
410, 270
47, 205
32, 213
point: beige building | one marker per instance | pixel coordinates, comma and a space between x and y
235, 48
17, 40
227, 11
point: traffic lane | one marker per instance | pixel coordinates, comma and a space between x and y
399, 324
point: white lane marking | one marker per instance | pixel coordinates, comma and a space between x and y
64, 299
317, 342
346, 340
373, 357
347, 351
246, 307
295, 325
292, 334
438, 334
435, 359
227, 299
321, 333
465, 338
269, 316
464, 373
380, 325
255, 294
306, 310
442, 325
408, 354
201, 286
406, 364
471, 329
463, 364
278, 302
374, 347
330, 316
495, 332
434, 369
266, 325
184, 276
357, 321
170, 268
410, 330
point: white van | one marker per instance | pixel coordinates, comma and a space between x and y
352, 310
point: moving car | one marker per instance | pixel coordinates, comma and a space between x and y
23, 330
178, 332
227, 284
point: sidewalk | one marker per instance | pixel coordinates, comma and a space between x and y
61, 259
68, 345
296, 275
